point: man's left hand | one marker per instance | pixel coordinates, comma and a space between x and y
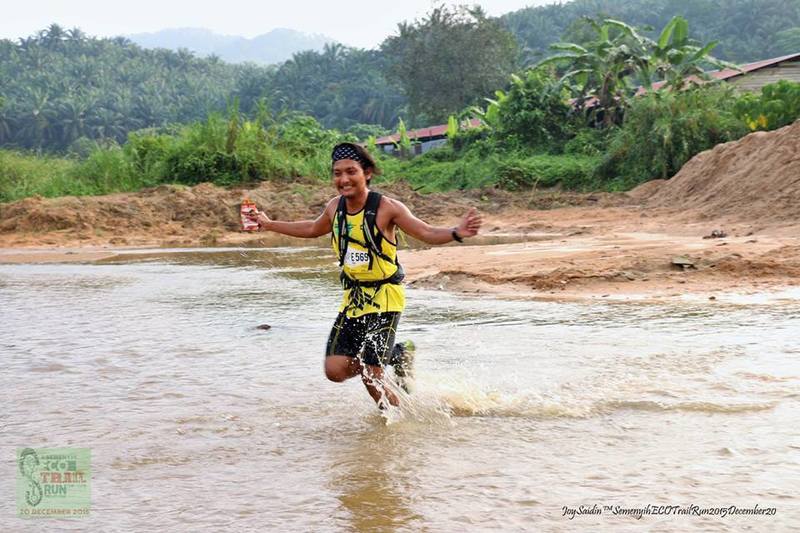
470, 224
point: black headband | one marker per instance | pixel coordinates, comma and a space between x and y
346, 151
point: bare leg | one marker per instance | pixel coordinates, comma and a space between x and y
372, 376
339, 368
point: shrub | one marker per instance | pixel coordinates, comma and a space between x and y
106, 170
363, 131
569, 172
663, 130
468, 138
588, 141
23, 174
535, 112
776, 106
146, 151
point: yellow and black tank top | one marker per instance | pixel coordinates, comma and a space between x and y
356, 266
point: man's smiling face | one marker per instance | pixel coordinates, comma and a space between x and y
349, 178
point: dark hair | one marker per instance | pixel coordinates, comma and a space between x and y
366, 160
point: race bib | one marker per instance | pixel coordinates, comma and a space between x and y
356, 258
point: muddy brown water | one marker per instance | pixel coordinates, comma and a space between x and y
523, 410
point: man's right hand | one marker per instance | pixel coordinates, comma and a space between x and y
259, 217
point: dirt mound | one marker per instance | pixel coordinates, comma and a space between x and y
179, 215
165, 213
755, 179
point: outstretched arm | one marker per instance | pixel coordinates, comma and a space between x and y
406, 221
307, 229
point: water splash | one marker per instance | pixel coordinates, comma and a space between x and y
443, 398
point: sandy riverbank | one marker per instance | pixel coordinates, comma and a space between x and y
580, 252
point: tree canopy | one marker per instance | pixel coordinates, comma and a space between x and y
449, 60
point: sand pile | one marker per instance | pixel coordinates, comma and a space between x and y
180, 215
160, 213
755, 179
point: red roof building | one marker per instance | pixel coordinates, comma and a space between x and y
423, 136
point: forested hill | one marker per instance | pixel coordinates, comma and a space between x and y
60, 86
748, 30
269, 48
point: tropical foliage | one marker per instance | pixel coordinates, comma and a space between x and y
220, 149
60, 86
483, 163
663, 130
341, 87
535, 112
126, 118
608, 69
747, 30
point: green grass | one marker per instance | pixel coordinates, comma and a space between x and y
661, 132
220, 150
23, 175
104, 171
443, 169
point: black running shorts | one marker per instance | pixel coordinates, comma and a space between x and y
369, 336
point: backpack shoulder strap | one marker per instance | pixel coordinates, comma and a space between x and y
341, 223
371, 211
372, 235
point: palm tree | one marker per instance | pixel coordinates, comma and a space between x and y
73, 115
606, 68
603, 67
37, 126
5, 123
675, 58
53, 36
75, 35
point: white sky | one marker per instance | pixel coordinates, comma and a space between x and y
362, 23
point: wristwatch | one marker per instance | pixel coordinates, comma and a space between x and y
455, 236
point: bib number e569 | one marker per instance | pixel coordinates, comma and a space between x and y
356, 258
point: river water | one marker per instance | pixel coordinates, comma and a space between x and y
523, 411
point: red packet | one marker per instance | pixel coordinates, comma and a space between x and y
247, 224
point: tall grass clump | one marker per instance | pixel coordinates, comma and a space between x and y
222, 149
663, 130
105, 170
23, 175
481, 161
232, 150
442, 169
573, 172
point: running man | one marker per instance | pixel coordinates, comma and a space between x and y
362, 226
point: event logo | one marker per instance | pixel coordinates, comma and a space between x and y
53, 482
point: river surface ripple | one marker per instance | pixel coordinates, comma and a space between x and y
198, 420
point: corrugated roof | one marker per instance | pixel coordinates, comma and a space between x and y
750, 67
421, 134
